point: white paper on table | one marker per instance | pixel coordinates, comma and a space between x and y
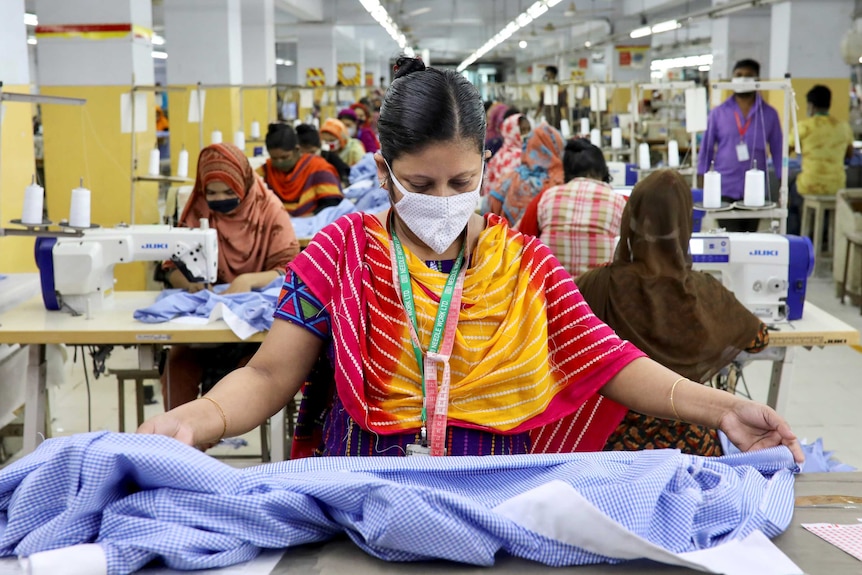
549, 508
195, 112
237, 325
695, 110
306, 98
84, 559
126, 112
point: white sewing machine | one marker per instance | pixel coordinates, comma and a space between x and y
768, 273
77, 272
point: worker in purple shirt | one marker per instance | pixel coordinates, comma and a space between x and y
736, 136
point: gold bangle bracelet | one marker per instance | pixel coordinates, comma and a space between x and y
672, 405
224, 417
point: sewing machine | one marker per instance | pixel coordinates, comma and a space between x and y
768, 273
77, 272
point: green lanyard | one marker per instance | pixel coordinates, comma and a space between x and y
410, 307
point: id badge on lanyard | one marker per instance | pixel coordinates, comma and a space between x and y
742, 153
435, 397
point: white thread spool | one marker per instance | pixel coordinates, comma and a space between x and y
565, 129
712, 189
215, 137
585, 126
596, 137
616, 138
34, 203
255, 130
239, 140
643, 157
755, 187
183, 164
155, 161
79, 210
673, 154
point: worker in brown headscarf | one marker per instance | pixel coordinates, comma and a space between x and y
684, 319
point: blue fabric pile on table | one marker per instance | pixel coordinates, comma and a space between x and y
142, 498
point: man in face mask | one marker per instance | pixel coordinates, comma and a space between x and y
305, 182
737, 134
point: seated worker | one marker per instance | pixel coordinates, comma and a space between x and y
522, 349
826, 142
514, 129
541, 168
309, 143
255, 243
305, 183
683, 319
334, 133
580, 220
364, 135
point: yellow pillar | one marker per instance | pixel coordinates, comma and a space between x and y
87, 141
258, 105
18, 165
221, 112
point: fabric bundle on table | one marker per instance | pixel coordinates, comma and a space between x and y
245, 313
141, 498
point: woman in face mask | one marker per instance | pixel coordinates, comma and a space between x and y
336, 136
359, 130
255, 243
305, 183
445, 333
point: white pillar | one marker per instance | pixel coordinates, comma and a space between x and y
66, 60
14, 65
315, 45
740, 36
821, 23
204, 40
258, 41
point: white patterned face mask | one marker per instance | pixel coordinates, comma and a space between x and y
436, 220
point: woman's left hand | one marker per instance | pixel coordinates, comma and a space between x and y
752, 426
241, 284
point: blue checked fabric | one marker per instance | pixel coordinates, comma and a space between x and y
145, 497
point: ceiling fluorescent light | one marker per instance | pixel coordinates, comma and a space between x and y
30, 19
536, 10
160, 55
641, 32
31, 40
379, 13
665, 26
158, 40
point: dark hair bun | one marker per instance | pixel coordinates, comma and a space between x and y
404, 66
577, 145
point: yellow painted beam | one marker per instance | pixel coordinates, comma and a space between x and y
86, 142
18, 166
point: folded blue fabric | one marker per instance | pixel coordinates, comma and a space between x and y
255, 307
306, 227
817, 460
364, 169
144, 497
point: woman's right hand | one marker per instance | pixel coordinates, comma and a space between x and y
170, 425
495, 206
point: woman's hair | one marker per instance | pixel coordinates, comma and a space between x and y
281, 137
307, 135
511, 112
425, 106
581, 159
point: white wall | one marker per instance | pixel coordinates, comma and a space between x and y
806, 38
204, 41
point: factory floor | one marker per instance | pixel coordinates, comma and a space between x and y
824, 402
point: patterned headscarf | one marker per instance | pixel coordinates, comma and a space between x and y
255, 237
541, 167
508, 157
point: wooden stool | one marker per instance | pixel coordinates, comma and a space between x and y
138, 375
853, 239
820, 207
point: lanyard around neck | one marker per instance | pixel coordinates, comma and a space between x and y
406, 290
